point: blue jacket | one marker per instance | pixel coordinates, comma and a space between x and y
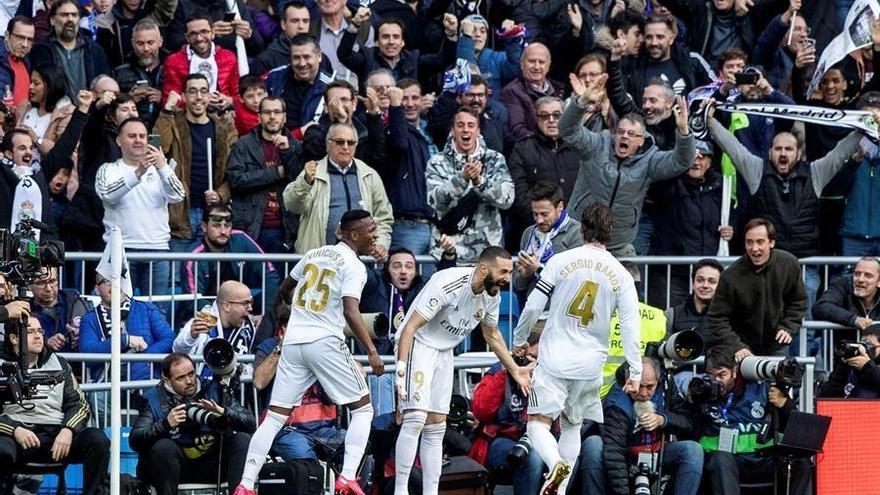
742, 409
499, 68
144, 320
860, 217
7, 78
276, 82
69, 309
405, 167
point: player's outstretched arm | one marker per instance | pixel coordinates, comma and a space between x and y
535, 305
493, 338
630, 332
356, 322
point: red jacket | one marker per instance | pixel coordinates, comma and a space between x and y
177, 68
487, 401
245, 119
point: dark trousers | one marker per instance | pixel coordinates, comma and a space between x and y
90, 447
165, 466
723, 471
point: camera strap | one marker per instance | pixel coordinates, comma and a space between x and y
724, 410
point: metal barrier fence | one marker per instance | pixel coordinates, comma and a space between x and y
827, 268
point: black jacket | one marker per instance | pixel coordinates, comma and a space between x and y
687, 213
839, 305
152, 420
791, 204
622, 103
692, 70
56, 159
370, 135
617, 431
849, 382
128, 74
685, 317
408, 155
250, 181
276, 54
94, 59
538, 158
751, 304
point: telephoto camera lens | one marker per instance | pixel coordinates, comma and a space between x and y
205, 417
517, 454
642, 483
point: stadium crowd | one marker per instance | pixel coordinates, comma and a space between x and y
233, 126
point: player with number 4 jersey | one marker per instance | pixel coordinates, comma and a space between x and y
585, 285
327, 289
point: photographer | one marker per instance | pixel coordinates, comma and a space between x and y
860, 378
729, 414
636, 424
853, 301
188, 428
501, 442
52, 428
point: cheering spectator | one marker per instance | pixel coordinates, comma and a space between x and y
468, 185
141, 75
205, 277
300, 83
493, 114
498, 67
200, 144
853, 300
115, 33
60, 311
202, 56
80, 58
229, 318
520, 95
760, 299
227, 32
144, 330
15, 61
379, 80
136, 191
410, 148
174, 445
554, 231
604, 154
336, 19
592, 70
860, 233
334, 185
52, 428
541, 157
340, 105
261, 165
692, 313
294, 20
30, 198
774, 51
390, 53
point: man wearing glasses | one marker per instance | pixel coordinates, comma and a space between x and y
229, 318
205, 277
541, 157
14, 61
338, 183
200, 143
58, 310
202, 56
261, 164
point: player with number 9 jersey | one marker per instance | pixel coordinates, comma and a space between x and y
324, 276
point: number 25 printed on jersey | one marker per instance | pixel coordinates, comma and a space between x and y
314, 293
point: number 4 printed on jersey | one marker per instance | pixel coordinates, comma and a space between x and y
581, 307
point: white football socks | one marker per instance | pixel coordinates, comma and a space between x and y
260, 444
431, 455
405, 450
356, 439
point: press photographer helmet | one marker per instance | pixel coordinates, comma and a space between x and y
220, 357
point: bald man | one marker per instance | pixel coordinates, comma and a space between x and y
521, 94
785, 190
229, 318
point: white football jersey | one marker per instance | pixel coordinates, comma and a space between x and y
324, 276
451, 309
587, 284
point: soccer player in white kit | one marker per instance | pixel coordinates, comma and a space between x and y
587, 284
329, 281
449, 307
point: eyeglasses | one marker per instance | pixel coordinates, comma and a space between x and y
220, 219
474, 96
249, 302
197, 91
23, 39
549, 116
46, 282
589, 75
204, 33
351, 143
35, 331
628, 133
271, 112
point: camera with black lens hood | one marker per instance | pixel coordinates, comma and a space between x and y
704, 390
517, 454
847, 349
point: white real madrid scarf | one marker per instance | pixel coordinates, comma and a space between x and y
206, 66
27, 202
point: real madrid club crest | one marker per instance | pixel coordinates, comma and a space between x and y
757, 409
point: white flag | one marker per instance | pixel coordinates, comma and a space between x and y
106, 271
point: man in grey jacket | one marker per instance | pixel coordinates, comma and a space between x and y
618, 166
553, 232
